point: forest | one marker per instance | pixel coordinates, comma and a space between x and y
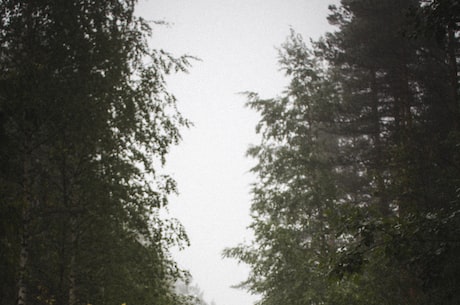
357, 191
357, 198
86, 121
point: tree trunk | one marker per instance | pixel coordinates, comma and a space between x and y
72, 282
24, 250
378, 165
453, 73
23, 260
72, 264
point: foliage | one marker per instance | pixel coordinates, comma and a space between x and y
356, 197
86, 121
191, 293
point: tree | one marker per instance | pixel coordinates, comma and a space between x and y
294, 205
192, 294
357, 191
86, 121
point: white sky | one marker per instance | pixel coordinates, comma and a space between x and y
236, 40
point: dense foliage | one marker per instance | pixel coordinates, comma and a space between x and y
85, 122
357, 199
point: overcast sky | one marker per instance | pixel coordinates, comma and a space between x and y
236, 41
